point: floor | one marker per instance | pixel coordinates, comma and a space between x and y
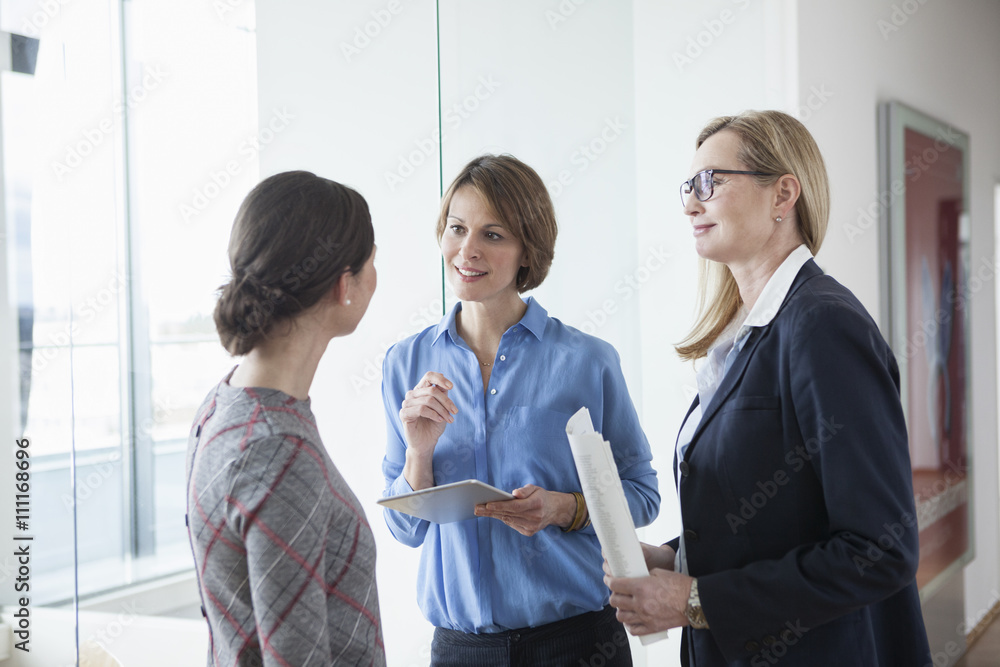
986, 651
187, 611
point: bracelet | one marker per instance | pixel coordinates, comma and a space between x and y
578, 517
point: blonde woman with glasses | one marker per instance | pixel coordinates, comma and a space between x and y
799, 543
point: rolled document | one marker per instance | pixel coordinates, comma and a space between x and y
606, 502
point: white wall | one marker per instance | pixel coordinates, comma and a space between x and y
692, 62
944, 59
565, 105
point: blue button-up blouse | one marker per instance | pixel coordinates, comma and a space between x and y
480, 575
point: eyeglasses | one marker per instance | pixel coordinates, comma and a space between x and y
703, 183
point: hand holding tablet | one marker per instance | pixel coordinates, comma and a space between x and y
446, 503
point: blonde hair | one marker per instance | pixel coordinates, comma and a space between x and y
774, 143
516, 195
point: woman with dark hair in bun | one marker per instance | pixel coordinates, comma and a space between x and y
284, 554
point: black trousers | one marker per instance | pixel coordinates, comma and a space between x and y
594, 639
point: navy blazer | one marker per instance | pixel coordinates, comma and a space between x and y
797, 497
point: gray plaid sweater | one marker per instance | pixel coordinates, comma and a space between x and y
284, 555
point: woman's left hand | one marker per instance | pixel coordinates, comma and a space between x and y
532, 509
650, 604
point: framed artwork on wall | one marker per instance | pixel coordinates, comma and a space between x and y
924, 186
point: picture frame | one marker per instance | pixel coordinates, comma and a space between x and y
925, 237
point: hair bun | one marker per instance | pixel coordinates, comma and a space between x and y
247, 311
263, 292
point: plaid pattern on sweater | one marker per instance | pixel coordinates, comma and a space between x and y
284, 555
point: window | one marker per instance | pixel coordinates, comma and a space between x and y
130, 137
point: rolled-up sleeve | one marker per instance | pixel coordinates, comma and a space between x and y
407, 529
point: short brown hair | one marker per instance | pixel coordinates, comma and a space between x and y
516, 196
294, 236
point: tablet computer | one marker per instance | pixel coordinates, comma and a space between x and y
446, 503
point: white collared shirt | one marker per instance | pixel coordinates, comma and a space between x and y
729, 344
776, 289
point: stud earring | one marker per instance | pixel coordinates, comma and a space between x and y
778, 219
348, 302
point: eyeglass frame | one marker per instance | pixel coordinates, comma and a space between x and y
711, 176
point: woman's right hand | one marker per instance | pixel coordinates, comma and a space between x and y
425, 413
658, 558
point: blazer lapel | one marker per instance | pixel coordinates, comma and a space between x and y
694, 404
729, 383
732, 379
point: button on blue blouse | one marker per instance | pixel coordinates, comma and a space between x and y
480, 575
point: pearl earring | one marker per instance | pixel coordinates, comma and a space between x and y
778, 219
348, 302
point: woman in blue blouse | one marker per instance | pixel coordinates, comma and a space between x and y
486, 394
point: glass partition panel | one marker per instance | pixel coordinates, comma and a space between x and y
130, 136
63, 263
556, 90
360, 79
